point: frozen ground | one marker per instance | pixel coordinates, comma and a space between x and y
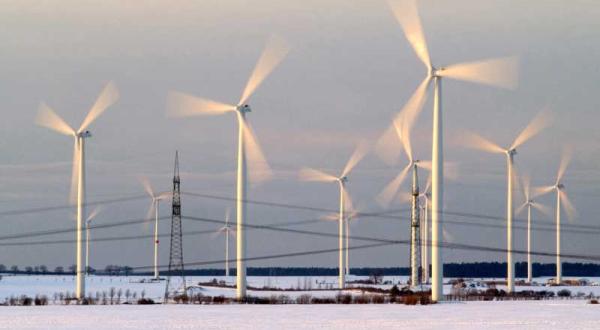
571, 314
316, 285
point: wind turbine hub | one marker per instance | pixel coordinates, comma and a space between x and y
84, 134
560, 186
511, 152
343, 179
435, 72
243, 108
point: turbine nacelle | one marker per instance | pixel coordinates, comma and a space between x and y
84, 134
243, 108
511, 152
342, 180
559, 186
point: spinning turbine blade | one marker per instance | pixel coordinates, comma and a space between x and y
521, 208
476, 141
543, 190
542, 208
108, 97
310, 174
388, 193
357, 155
46, 117
526, 184
272, 55
568, 205
403, 132
94, 213
185, 105
408, 16
498, 72
541, 121
386, 147
347, 201
259, 169
565, 159
147, 186
330, 217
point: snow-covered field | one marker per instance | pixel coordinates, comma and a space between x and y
547, 314
572, 314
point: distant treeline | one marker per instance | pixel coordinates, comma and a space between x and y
473, 269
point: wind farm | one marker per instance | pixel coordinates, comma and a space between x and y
360, 177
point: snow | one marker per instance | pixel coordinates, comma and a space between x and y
569, 314
545, 314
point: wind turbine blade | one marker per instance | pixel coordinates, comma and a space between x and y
185, 105
568, 205
526, 184
258, 168
274, 52
403, 132
407, 14
521, 208
542, 208
476, 141
537, 124
149, 215
227, 214
428, 185
107, 97
46, 117
388, 193
74, 173
310, 174
386, 146
565, 159
357, 156
330, 217
94, 213
447, 236
539, 191
405, 197
147, 186
349, 206
164, 195
498, 72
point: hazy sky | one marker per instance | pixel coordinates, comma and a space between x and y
349, 71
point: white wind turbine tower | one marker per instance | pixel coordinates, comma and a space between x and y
561, 199
153, 209
227, 231
475, 141
88, 221
309, 174
425, 232
46, 117
351, 215
500, 72
529, 204
249, 152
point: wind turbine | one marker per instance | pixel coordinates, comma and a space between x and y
153, 208
227, 231
309, 174
88, 221
561, 199
538, 123
403, 126
184, 105
46, 117
500, 72
529, 204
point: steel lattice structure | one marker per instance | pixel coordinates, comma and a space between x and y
176, 250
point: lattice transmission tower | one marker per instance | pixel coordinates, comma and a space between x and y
175, 276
